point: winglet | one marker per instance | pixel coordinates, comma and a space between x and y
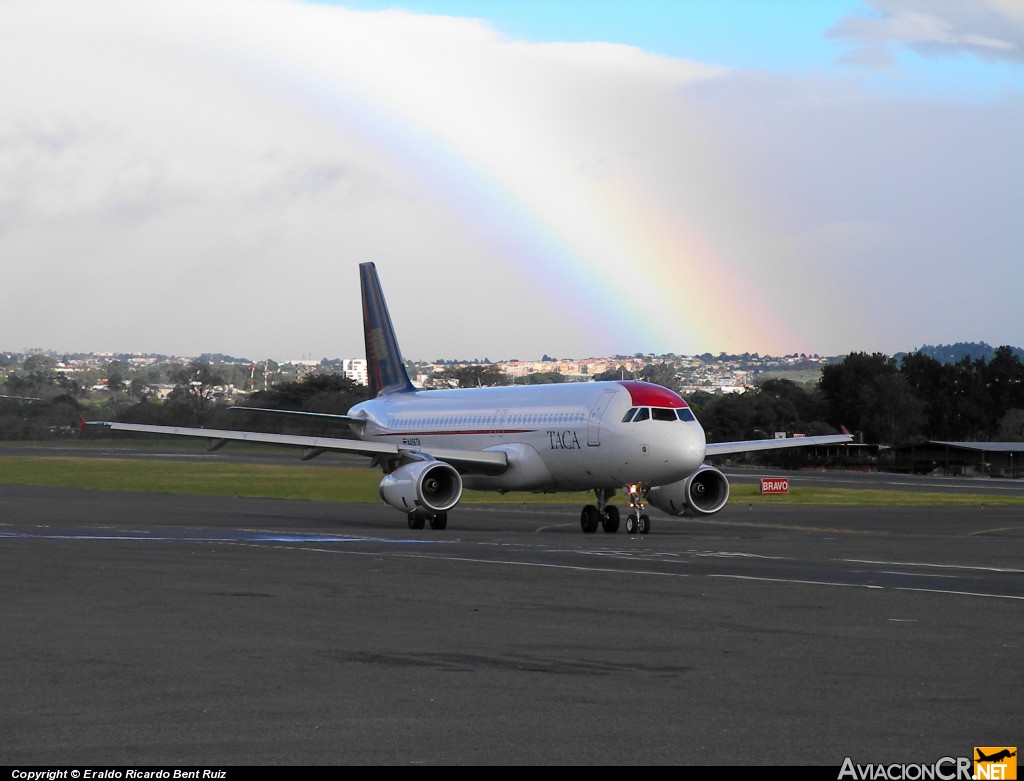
384, 363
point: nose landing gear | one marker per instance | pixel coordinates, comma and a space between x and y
607, 515
638, 522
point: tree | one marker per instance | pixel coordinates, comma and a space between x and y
115, 382
845, 386
972, 417
663, 374
893, 415
193, 396
730, 417
618, 373
473, 376
928, 380
788, 406
41, 364
543, 378
1004, 378
1011, 426
327, 393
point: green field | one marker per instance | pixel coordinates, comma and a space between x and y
350, 484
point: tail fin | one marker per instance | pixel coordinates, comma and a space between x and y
384, 364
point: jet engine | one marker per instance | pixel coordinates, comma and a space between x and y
705, 492
430, 486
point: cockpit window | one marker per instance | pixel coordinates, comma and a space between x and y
636, 414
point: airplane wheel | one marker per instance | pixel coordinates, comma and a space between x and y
589, 519
610, 523
631, 524
644, 525
415, 521
439, 521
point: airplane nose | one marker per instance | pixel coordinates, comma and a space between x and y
693, 446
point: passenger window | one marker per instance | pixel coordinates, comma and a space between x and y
685, 415
629, 415
643, 414
659, 413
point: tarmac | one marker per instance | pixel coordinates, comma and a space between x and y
149, 629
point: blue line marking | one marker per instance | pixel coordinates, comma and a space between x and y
232, 535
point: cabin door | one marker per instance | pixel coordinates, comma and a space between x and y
596, 413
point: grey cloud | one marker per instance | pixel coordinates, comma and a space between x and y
989, 29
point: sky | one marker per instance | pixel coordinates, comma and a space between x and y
579, 179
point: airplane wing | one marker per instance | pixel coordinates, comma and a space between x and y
725, 448
350, 419
485, 461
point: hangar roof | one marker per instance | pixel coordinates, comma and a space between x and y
988, 447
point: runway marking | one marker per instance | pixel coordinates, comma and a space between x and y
787, 527
299, 538
229, 537
935, 566
734, 555
470, 560
605, 570
666, 556
543, 564
629, 556
993, 531
796, 581
958, 593
870, 586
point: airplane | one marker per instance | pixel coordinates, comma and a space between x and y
603, 437
999, 756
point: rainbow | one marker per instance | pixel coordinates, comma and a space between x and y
652, 279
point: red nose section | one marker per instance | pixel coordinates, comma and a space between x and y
644, 394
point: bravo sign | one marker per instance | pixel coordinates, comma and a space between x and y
775, 485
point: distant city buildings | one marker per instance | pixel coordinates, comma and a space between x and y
690, 374
355, 370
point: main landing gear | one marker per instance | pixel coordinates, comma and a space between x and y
607, 515
438, 521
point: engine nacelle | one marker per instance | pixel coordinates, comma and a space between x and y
431, 486
705, 492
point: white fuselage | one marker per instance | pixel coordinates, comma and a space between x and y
569, 436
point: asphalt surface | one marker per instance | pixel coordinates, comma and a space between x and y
146, 629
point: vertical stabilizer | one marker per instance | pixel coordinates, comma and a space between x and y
384, 364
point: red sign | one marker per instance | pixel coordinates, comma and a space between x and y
775, 485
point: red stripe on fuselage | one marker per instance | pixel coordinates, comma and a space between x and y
645, 394
451, 433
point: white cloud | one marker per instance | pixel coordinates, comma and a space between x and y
189, 177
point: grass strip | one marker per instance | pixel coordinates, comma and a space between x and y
352, 484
